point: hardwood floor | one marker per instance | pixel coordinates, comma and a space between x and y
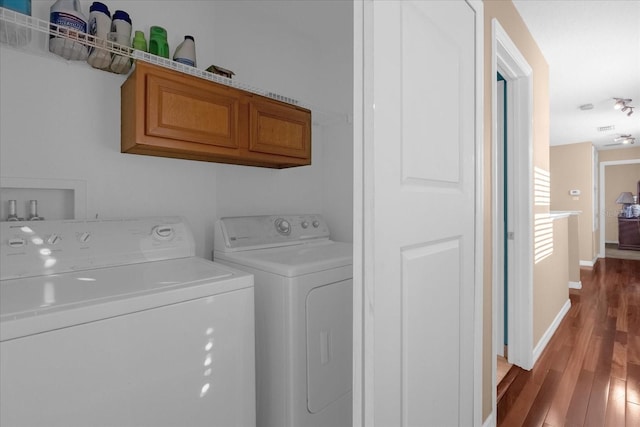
589, 374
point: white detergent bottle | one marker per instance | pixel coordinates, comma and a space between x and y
67, 15
121, 34
186, 52
99, 26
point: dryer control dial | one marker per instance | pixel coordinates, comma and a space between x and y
283, 226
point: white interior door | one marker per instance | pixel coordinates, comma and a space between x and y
420, 139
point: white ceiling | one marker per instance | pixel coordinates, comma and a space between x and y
593, 51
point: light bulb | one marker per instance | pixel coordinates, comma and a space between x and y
618, 105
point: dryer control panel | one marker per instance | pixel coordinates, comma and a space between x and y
38, 248
267, 231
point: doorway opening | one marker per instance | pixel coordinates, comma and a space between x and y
607, 213
512, 245
505, 183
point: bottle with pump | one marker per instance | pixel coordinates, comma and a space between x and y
186, 52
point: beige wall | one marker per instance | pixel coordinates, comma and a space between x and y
572, 169
618, 178
508, 17
551, 291
619, 154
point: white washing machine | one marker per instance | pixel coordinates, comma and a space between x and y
117, 323
303, 309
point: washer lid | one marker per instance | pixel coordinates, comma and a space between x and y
40, 304
293, 261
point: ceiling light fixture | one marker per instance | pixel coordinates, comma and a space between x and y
622, 105
625, 139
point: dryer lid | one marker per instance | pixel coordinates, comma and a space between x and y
293, 261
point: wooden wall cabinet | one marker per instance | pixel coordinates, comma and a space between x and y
170, 114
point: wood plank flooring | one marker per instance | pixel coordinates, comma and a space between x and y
589, 374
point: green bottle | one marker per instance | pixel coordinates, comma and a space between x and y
139, 42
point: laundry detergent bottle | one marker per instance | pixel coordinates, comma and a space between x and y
186, 52
71, 22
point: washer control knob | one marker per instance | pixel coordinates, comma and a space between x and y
163, 232
316, 223
84, 237
17, 242
305, 224
54, 239
283, 226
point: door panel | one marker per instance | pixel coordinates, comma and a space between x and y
430, 376
423, 150
429, 126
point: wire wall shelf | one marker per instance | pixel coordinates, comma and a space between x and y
32, 34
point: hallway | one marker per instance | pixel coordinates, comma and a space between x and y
589, 374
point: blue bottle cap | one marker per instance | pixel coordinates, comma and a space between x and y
121, 14
100, 7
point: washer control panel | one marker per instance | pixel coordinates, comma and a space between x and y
37, 248
256, 232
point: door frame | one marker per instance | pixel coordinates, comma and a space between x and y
601, 191
363, 236
507, 59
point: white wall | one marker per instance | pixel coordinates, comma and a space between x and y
61, 120
270, 50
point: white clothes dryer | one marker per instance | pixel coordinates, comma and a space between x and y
117, 323
303, 313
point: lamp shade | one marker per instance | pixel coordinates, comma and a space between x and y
625, 198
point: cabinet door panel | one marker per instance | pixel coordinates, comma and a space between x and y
190, 113
278, 129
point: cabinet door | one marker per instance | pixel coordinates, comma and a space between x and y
199, 113
279, 129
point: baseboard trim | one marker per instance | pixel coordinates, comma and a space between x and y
489, 422
575, 285
591, 263
542, 344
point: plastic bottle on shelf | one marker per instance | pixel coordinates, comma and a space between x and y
99, 26
68, 17
139, 42
158, 41
186, 52
11, 33
121, 34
